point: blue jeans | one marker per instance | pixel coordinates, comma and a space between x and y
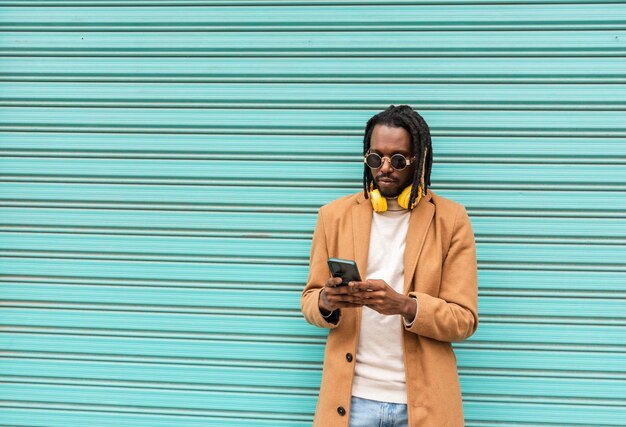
372, 413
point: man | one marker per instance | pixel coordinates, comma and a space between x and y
388, 358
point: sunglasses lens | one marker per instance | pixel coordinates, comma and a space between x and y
373, 161
398, 162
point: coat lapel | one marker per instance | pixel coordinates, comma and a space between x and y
419, 222
361, 225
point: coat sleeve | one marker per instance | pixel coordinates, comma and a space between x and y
318, 274
453, 315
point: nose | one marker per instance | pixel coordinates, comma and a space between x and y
386, 166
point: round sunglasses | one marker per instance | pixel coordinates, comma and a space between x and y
397, 161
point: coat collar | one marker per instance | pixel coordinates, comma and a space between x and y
419, 223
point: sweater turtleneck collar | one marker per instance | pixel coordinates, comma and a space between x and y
393, 206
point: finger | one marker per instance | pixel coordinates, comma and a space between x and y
338, 299
333, 282
341, 299
371, 286
375, 285
339, 290
355, 299
359, 297
365, 294
332, 289
370, 299
358, 286
363, 299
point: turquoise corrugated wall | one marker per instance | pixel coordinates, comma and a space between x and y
163, 162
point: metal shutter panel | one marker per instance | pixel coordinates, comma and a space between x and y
163, 163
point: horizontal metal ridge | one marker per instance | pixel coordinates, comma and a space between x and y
185, 371
303, 172
304, 17
309, 183
264, 277
348, 185
191, 248
478, 422
182, 3
545, 314
62, 417
182, 401
558, 360
250, 313
275, 415
583, 401
153, 128
295, 27
538, 413
516, 387
251, 146
25, 364
253, 389
259, 199
554, 212
462, 70
216, 310
575, 43
166, 358
180, 370
498, 304
563, 159
494, 237
198, 121
230, 268
181, 53
183, 261
508, 329
315, 95
489, 286
511, 104
177, 78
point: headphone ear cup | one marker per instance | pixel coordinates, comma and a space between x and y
379, 203
404, 197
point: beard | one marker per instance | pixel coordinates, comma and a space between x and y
390, 194
392, 189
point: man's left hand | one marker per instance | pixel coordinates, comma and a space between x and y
378, 295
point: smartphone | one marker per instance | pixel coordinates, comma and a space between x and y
344, 268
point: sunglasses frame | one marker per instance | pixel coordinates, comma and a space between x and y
408, 161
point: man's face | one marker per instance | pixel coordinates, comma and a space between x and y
387, 141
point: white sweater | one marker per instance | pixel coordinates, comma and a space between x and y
379, 370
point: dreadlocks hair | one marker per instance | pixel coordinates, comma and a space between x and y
405, 117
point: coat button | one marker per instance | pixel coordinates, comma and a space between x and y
349, 357
341, 411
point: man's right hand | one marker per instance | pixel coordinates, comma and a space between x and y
333, 296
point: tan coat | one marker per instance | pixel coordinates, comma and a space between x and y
439, 271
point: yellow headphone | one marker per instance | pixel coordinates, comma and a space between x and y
379, 203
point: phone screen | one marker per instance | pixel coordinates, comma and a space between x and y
344, 268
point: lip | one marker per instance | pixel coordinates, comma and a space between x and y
386, 181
